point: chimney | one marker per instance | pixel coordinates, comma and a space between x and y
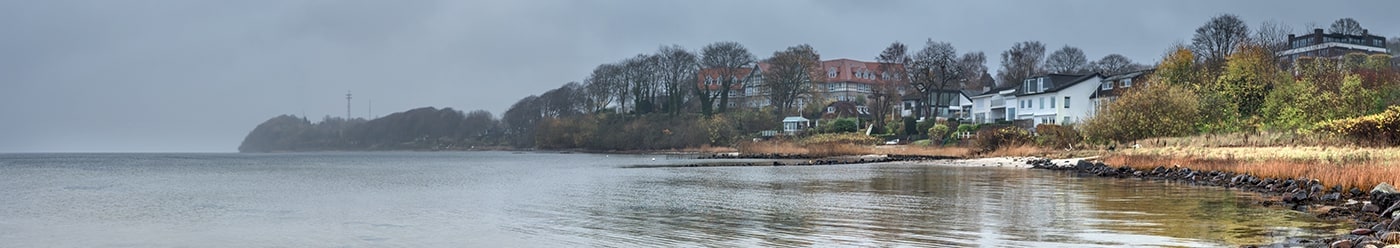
1317, 36
1365, 33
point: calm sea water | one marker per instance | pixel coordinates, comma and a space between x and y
496, 199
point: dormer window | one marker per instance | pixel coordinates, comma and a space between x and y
1040, 84
831, 72
1127, 82
1107, 85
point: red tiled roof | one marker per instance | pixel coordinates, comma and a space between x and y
715, 74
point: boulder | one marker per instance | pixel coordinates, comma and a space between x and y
1384, 188
1341, 244
1370, 208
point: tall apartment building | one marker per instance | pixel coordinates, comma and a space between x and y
1334, 45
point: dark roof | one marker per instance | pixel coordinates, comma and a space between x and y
997, 89
1131, 74
1057, 82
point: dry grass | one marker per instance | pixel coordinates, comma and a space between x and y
707, 149
1307, 154
915, 150
1363, 175
1017, 151
1247, 140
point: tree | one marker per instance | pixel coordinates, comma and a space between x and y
1248, 76
893, 74
564, 101
729, 59
1273, 36
521, 120
1154, 110
1020, 62
790, 76
1178, 67
1219, 37
974, 71
479, 125
678, 69
641, 74
935, 70
601, 86
1067, 60
1114, 64
1346, 26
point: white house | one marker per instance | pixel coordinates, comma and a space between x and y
990, 106
1051, 98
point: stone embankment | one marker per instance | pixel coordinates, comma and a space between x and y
1373, 211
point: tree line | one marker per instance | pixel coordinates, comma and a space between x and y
1230, 80
1225, 80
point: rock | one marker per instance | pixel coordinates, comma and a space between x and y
1334, 196
1341, 244
1392, 238
1362, 231
1384, 188
1370, 208
1390, 210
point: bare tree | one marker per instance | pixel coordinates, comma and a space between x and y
641, 74
1346, 26
1219, 38
1272, 36
790, 77
935, 70
974, 70
1115, 64
893, 61
563, 101
601, 85
677, 68
729, 59
1022, 61
1068, 59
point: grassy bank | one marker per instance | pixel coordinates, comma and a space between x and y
1348, 167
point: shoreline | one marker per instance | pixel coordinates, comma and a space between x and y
1372, 213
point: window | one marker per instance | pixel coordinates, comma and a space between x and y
1040, 84
831, 72
830, 110
1107, 85
1066, 120
1066, 102
1127, 82
1042, 103
1052, 102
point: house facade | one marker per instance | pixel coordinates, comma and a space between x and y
1333, 45
1115, 85
846, 80
1046, 99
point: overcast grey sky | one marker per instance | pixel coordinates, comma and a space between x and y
198, 75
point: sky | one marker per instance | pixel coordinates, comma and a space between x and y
198, 75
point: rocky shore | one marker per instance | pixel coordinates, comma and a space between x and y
1373, 211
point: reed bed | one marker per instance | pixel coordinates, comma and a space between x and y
1363, 175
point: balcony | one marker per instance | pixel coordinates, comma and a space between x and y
998, 103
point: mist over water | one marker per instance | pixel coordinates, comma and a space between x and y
551, 200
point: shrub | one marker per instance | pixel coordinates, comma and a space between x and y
1155, 110
937, 133
844, 125
991, 139
1381, 129
1057, 136
925, 125
911, 126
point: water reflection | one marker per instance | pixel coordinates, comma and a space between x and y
904, 205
